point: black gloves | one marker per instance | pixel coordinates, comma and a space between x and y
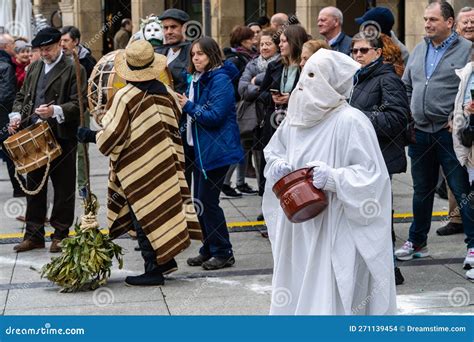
85, 135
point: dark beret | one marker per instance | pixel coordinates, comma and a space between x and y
46, 36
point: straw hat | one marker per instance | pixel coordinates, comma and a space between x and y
139, 62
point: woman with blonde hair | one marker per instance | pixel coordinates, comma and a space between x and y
310, 48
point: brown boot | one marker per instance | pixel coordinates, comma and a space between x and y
55, 246
28, 245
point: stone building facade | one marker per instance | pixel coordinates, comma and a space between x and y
99, 20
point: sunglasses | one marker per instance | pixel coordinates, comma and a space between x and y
363, 50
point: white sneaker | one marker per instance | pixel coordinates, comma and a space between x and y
408, 251
470, 274
469, 261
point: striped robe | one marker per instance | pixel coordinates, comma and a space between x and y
141, 137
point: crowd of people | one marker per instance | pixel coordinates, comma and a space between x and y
274, 101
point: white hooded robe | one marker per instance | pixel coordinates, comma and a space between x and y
340, 262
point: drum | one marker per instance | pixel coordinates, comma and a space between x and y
105, 82
32, 147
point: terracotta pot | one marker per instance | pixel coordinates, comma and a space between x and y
299, 199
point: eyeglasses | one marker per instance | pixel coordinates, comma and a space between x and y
363, 50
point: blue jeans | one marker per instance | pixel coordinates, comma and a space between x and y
430, 151
216, 241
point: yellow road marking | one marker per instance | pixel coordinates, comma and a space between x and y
230, 225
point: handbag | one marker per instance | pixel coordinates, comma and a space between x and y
246, 117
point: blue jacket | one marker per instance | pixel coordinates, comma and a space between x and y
215, 131
342, 44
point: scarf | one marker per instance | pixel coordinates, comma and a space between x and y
262, 63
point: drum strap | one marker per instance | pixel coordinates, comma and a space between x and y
43, 181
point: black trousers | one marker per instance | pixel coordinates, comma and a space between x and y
146, 249
63, 176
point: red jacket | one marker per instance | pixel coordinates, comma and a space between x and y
20, 72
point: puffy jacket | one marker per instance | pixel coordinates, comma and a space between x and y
215, 132
381, 95
86, 60
7, 90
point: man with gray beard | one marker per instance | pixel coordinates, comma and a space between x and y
49, 93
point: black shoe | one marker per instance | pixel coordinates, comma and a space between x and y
245, 189
137, 248
260, 217
218, 263
398, 276
450, 229
170, 267
229, 192
442, 191
146, 279
197, 261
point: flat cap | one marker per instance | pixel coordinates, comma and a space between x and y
176, 14
46, 36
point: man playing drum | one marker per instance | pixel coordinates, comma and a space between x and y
50, 94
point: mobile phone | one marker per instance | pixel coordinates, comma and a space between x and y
472, 94
275, 91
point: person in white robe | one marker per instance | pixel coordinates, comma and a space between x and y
341, 261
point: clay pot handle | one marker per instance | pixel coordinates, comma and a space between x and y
309, 170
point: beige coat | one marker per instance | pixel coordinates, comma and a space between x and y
464, 154
141, 137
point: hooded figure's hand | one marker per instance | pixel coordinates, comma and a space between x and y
280, 169
85, 135
320, 173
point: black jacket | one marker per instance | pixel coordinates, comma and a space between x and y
240, 61
61, 89
7, 91
381, 95
272, 80
86, 60
178, 67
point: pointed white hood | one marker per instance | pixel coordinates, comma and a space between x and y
324, 85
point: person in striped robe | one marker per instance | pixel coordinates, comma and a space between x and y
147, 188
